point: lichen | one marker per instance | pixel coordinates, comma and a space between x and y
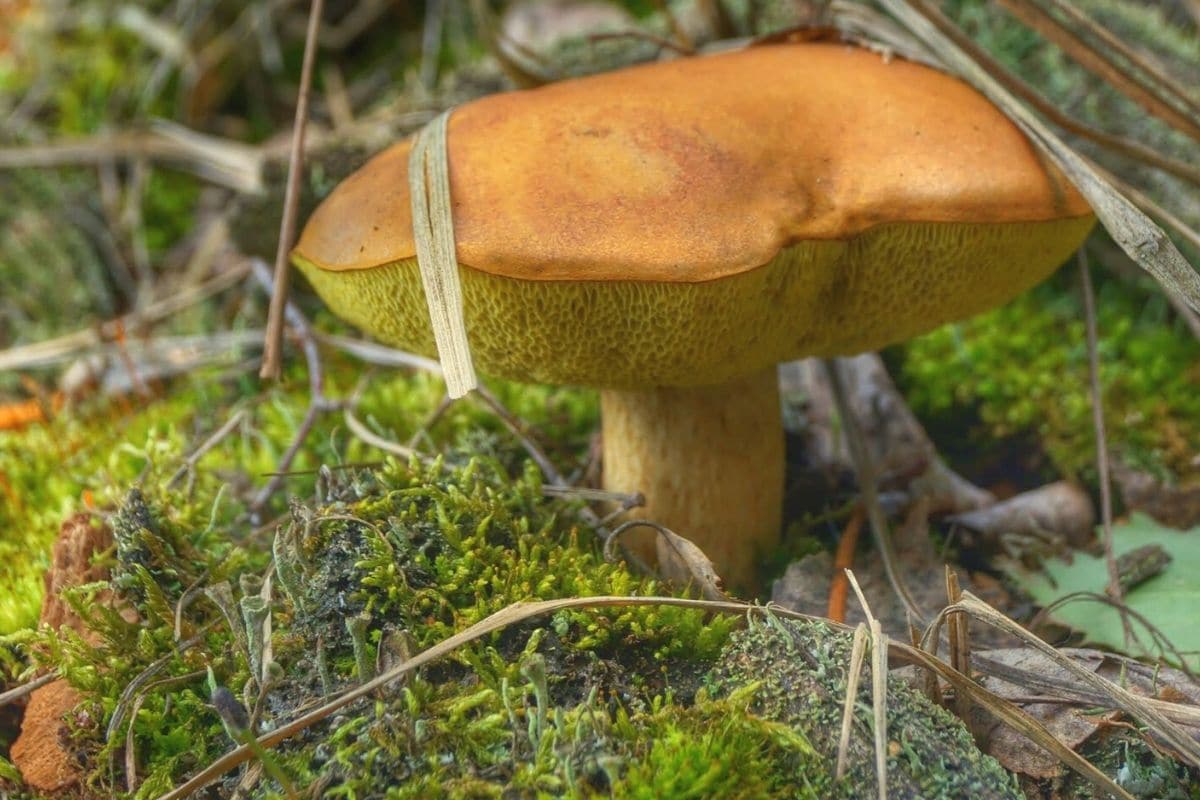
802, 671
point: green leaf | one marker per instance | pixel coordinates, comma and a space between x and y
1168, 600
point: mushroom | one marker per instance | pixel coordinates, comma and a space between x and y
670, 232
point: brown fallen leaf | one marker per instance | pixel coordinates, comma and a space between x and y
1071, 723
1067, 722
804, 586
689, 564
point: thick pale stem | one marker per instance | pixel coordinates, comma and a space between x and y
709, 461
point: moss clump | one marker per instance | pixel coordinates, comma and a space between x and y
408, 554
582, 703
95, 451
1023, 367
802, 670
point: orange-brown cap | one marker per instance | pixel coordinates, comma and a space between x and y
884, 179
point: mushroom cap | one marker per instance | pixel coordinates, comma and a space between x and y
682, 223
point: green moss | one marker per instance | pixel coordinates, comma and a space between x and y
604, 702
719, 748
1023, 367
100, 450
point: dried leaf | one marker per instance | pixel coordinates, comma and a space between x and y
690, 561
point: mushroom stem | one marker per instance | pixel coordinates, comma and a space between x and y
710, 462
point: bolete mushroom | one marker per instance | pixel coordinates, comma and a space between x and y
670, 232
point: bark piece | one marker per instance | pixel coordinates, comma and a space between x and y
1170, 504
904, 457
1055, 515
39, 752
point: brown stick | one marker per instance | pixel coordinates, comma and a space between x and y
843, 560
273, 345
1089, 307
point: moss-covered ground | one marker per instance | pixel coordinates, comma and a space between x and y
371, 561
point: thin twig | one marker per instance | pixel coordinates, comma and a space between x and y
318, 403
514, 426
223, 161
189, 463
363, 432
1102, 463
26, 689
273, 345
870, 494
624, 499
53, 351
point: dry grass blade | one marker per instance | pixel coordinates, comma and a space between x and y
1144, 93
1012, 716
1144, 202
1156, 79
866, 481
960, 642
1131, 229
879, 672
879, 655
1136, 707
433, 235
858, 650
520, 612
